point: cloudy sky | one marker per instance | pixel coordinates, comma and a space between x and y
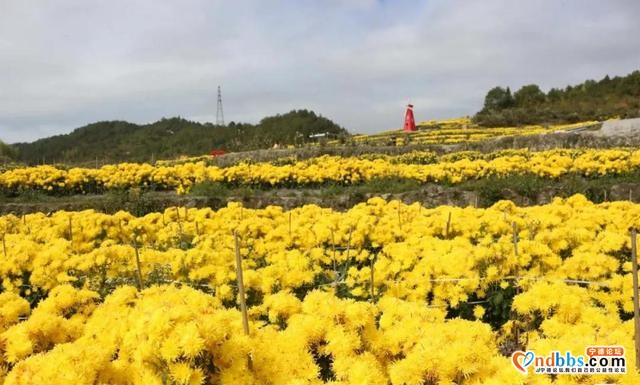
66, 63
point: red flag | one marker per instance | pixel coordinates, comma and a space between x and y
409, 122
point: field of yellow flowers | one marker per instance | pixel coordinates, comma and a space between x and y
420, 166
384, 293
459, 130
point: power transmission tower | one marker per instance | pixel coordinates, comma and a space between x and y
219, 113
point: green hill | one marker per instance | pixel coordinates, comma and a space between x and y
591, 100
119, 141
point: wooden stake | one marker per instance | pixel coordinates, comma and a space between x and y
138, 267
446, 233
4, 244
605, 195
532, 233
349, 243
514, 227
636, 302
289, 225
70, 230
243, 301
120, 228
179, 225
630, 196
372, 282
476, 201
335, 267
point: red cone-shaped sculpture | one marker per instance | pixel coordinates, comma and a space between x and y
409, 122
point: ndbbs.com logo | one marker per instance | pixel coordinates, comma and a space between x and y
596, 360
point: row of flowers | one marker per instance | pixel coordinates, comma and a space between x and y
422, 166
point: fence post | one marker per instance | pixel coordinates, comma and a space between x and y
636, 305
243, 301
446, 233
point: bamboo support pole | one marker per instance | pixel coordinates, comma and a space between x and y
333, 257
349, 243
138, 267
243, 301
446, 233
514, 229
636, 302
70, 230
372, 280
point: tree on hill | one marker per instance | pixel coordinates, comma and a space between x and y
529, 95
7, 152
590, 100
498, 98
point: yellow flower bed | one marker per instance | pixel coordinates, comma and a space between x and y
461, 130
308, 274
452, 168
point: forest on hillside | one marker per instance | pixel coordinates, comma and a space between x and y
591, 100
7, 153
119, 141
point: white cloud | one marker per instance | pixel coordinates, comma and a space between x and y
70, 62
